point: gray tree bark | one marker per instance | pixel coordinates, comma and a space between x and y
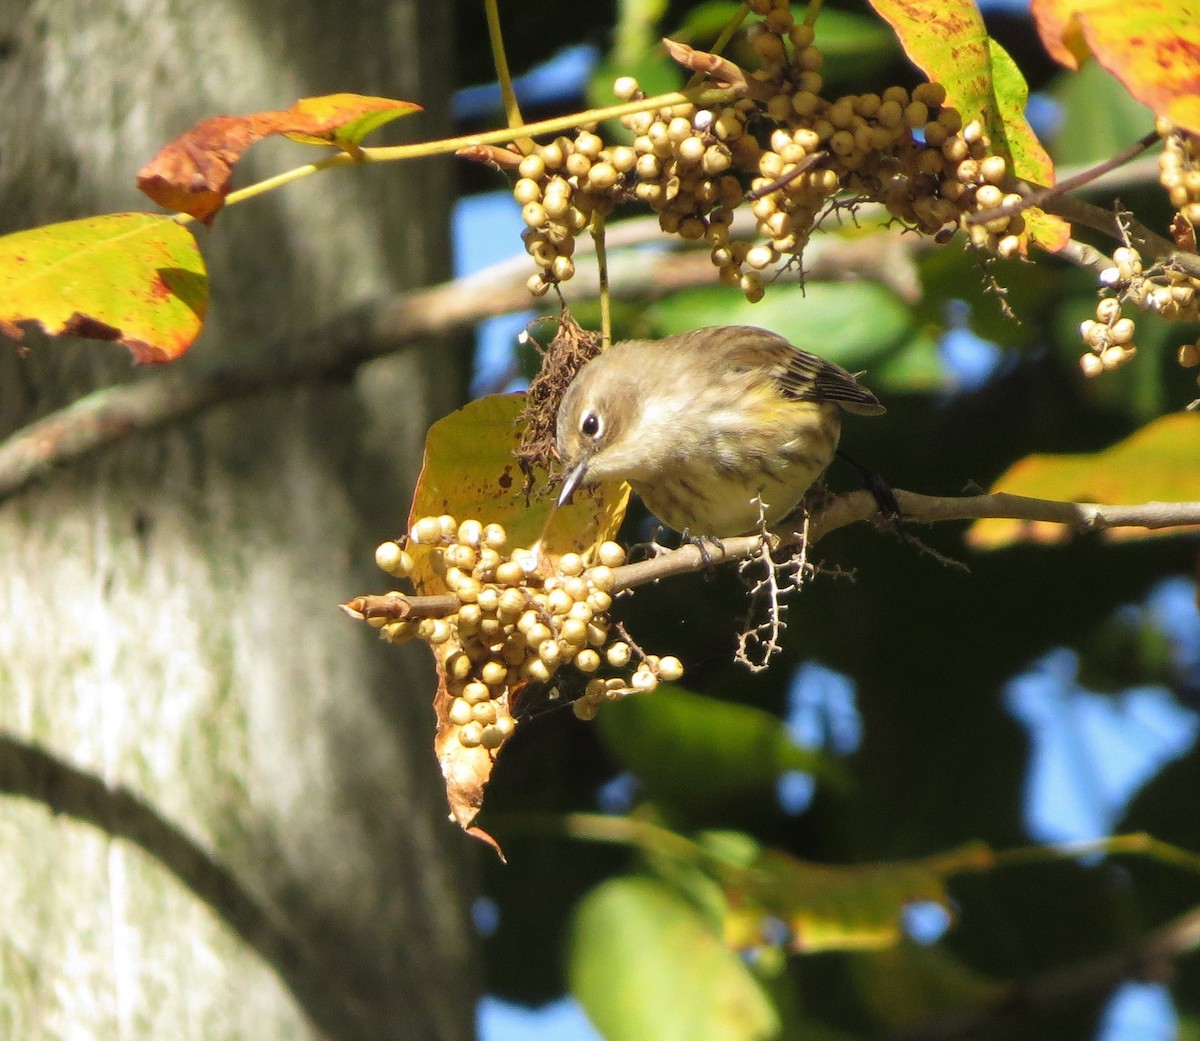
220, 816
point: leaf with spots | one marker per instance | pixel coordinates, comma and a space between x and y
947, 40
134, 278
470, 471
1153, 48
1160, 462
192, 174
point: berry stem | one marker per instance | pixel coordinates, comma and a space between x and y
512, 110
597, 230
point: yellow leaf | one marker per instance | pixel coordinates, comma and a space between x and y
1160, 462
134, 278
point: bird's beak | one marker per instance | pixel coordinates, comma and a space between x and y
572, 480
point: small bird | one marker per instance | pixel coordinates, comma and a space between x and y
719, 430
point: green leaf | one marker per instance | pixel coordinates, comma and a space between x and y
853, 907
852, 323
136, 278
915, 368
1158, 462
691, 751
850, 40
644, 965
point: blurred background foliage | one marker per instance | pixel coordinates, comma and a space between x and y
1034, 694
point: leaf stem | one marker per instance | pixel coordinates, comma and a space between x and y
507, 135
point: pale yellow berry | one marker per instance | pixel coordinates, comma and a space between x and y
427, 532
471, 735
643, 680
587, 660
434, 631
618, 654
625, 87
993, 168
475, 692
1189, 355
537, 634
484, 712
538, 671
492, 738
573, 631
494, 673
460, 712
398, 632
1122, 330
585, 709
570, 564
1108, 310
670, 668
394, 560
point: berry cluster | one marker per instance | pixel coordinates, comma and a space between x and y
779, 144
1169, 291
512, 625
1179, 170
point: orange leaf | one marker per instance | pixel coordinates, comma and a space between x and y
469, 471
136, 278
192, 174
1160, 462
1153, 48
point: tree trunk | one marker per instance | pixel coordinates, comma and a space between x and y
223, 817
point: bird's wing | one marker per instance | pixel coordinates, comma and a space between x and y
802, 376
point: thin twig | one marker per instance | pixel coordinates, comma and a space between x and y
1151, 959
1039, 196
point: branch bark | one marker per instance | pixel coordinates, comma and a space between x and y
840, 512
1149, 960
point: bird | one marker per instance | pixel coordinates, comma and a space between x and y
720, 430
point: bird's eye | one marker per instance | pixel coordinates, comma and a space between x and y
589, 426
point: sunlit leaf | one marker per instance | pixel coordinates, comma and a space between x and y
645, 964
689, 750
134, 278
1160, 462
469, 472
192, 174
947, 40
827, 907
1153, 48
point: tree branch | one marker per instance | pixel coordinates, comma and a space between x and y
1149, 960
187, 388
840, 512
